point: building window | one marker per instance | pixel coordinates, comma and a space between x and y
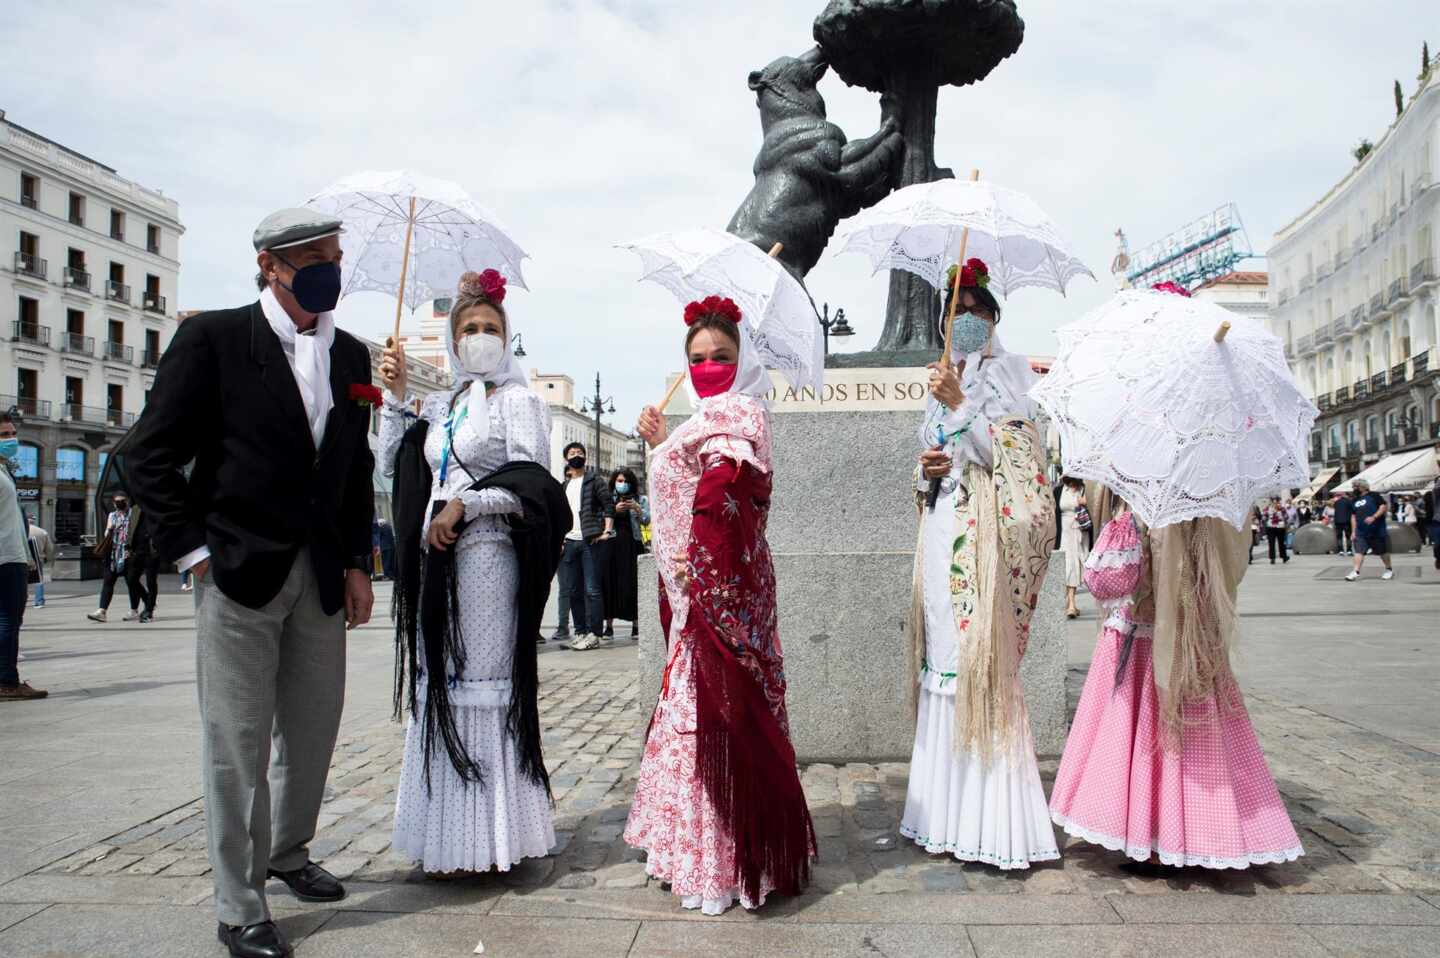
77, 209
117, 225
27, 461
70, 465
75, 397
30, 191
152, 238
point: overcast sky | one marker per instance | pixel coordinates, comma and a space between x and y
582, 124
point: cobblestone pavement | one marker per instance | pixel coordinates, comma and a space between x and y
1366, 805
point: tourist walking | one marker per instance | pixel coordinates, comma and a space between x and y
268, 408
479, 522
1429, 517
42, 551
1277, 526
1162, 760
1344, 508
987, 531
592, 519
718, 806
114, 551
1369, 532
619, 553
1074, 523
14, 560
142, 568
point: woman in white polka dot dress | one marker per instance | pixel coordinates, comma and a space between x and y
448, 824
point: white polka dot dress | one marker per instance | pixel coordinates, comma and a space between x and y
460, 826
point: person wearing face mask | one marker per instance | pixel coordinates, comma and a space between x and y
987, 529
718, 806
252, 466
618, 574
592, 513
116, 550
478, 526
14, 551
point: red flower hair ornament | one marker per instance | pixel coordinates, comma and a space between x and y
489, 284
1169, 287
722, 306
973, 273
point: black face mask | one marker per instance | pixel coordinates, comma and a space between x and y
576, 462
120, 505
316, 287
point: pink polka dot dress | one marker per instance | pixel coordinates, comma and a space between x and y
1212, 802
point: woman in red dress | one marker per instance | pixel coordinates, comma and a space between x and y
718, 807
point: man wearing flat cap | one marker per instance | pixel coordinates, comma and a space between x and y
273, 519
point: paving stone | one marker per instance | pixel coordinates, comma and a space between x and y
1019, 941
154, 864
188, 867
576, 880
529, 873
344, 866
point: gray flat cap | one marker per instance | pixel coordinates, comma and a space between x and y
293, 226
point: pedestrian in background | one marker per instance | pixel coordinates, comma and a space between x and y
142, 568
1368, 530
1277, 526
1303, 514
14, 560
42, 550
1344, 509
1430, 517
1292, 522
592, 517
1074, 523
619, 576
114, 550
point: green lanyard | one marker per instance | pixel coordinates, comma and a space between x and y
452, 422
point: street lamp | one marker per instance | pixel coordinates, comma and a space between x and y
841, 328
519, 346
596, 405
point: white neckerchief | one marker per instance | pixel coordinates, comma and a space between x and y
309, 358
509, 371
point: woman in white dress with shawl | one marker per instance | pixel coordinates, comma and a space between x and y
987, 515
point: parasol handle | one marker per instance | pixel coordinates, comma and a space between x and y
955, 290
404, 264
670, 393
1220, 333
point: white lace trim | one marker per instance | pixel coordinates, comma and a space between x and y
718, 906
933, 847
1114, 558
1120, 621
1141, 853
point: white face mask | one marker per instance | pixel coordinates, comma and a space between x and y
480, 353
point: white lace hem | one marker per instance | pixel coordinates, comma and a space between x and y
1142, 853
1114, 558
933, 847
711, 906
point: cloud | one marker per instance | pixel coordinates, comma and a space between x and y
583, 124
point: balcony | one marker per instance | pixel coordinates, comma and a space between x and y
1352, 450
30, 202
117, 291
117, 234
1324, 334
1339, 259
1322, 402
1422, 181
1322, 272
1342, 395
119, 419
76, 278
1396, 290
31, 333
1392, 440
1357, 246
150, 358
1397, 374
1375, 232
1377, 382
1338, 327
1305, 345
1394, 214
28, 264
1421, 363
154, 303
1307, 281
1360, 390
1372, 444
119, 353
74, 412
1284, 296
1357, 317
1422, 272
77, 343
1377, 303
27, 406
1410, 435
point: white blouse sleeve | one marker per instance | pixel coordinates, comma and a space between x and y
395, 418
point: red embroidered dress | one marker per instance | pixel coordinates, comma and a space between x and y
718, 806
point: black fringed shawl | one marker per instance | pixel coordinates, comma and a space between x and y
426, 605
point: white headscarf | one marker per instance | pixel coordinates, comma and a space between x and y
1000, 385
477, 403
751, 378
310, 362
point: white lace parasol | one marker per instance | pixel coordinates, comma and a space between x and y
1181, 426
918, 229
694, 264
452, 234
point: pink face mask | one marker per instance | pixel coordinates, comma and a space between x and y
711, 378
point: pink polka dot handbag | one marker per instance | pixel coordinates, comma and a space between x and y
1112, 572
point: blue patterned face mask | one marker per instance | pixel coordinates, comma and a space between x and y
970, 333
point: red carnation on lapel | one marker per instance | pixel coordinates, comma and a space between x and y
365, 394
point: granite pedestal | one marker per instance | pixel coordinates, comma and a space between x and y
842, 531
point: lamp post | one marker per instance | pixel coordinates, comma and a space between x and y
596, 405
519, 346
842, 328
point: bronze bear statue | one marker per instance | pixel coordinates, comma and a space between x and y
807, 176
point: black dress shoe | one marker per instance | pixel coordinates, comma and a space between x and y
262, 940
311, 883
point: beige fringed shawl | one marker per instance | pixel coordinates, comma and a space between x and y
1014, 513
1197, 567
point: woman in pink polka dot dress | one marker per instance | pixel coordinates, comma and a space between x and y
1162, 759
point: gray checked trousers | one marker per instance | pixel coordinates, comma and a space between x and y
272, 685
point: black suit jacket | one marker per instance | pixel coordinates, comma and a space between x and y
226, 398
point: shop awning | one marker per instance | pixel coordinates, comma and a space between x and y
1403, 472
1312, 490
